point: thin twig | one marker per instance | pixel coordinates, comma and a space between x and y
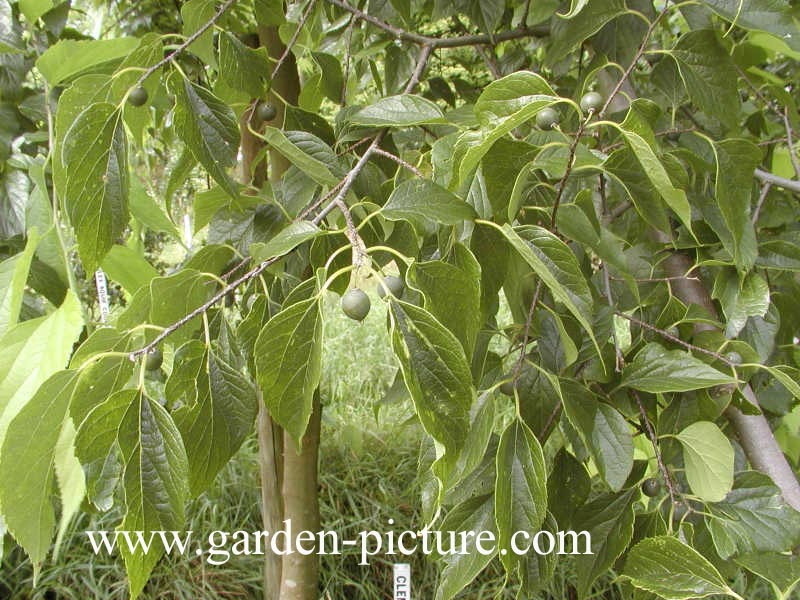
551, 422
654, 441
570, 163
666, 334
189, 41
635, 60
399, 161
293, 39
789, 142
454, 42
347, 58
763, 196
526, 333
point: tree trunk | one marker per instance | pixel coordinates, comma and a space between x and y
300, 573
754, 432
296, 473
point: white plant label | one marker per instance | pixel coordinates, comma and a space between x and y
102, 293
402, 581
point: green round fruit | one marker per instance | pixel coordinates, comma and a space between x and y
734, 357
138, 96
591, 101
391, 285
265, 112
356, 304
674, 136
507, 387
651, 487
547, 118
154, 360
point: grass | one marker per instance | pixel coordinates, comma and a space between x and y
368, 475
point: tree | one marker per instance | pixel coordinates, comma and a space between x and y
643, 237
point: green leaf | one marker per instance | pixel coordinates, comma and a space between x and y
269, 12
420, 199
504, 105
95, 157
175, 296
311, 166
708, 456
521, 488
623, 166
195, 14
451, 294
33, 9
285, 241
659, 179
436, 373
781, 570
609, 520
672, 570
709, 74
603, 430
487, 14
404, 110
774, 16
30, 352
753, 517
655, 369
750, 298
13, 276
67, 59
148, 212
288, 359
155, 472
556, 265
736, 162
209, 129
221, 416
27, 470
474, 515
128, 268
243, 68
568, 487
567, 33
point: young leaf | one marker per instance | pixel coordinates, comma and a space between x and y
521, 488
13, 276
30, 352
708, 456
665, 566
310, 165
288, 360
27, 466
95, 158
285, 241
655, 369
67, 59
